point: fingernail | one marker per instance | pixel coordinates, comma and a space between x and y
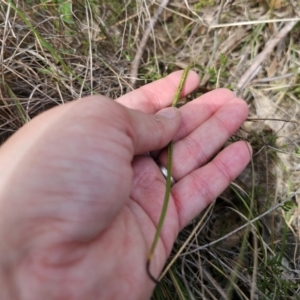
169, 112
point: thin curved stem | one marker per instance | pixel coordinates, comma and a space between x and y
168, 182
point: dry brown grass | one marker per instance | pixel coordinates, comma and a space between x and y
48, 59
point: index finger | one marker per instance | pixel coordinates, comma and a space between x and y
159, 94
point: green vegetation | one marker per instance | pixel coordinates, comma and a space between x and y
203, 4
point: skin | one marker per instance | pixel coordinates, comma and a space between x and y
79, 199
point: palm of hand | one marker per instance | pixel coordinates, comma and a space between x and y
83, 212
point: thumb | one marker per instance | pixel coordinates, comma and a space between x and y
152, 132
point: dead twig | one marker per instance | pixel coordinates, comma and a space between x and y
248, 75
136, 61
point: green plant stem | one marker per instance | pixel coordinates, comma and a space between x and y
168, 181
43, 42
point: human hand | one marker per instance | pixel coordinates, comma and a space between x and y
79, 202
